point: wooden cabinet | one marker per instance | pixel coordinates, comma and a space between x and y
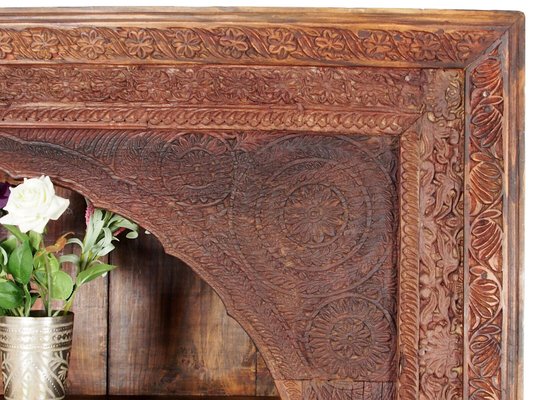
347, 181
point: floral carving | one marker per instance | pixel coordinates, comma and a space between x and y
233, 43
139, 43
197, 169
163, 96
5, 44
212, 85
425, 46
441, 237
330, 43
350, 338
250, 43
44, 44
440, 352
314, 213
187, 43
378, 45
91, 44
282, 43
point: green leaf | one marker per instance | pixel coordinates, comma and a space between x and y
53, 262
93, 272
35, 239
4, 258
41, 278
20, 263
11, 296
9, 244
62, 285
75, 241
132, 235
70, 258
16, 232
39, 261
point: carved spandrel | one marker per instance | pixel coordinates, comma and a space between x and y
297, 232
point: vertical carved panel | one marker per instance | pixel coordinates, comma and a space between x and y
408, 307
441, 245
485, 251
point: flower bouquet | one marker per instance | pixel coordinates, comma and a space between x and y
37, 292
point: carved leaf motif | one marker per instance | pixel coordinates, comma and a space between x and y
487, 234
485, 178
489, 122
486, 216
485, 294
486, 349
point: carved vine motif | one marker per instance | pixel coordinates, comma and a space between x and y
214, 85
486, 169
244, 43
279, 224
441, 250
363, 100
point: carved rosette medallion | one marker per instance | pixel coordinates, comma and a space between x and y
320, 208
197, 169
351, 338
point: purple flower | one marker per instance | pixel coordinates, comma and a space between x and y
4, 194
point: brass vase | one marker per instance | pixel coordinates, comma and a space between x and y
35, 356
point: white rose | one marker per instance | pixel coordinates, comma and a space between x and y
32, 204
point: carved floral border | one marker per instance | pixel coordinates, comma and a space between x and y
242, 43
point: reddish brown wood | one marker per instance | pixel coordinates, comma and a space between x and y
352, 193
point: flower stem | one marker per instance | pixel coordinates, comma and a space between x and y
48, 301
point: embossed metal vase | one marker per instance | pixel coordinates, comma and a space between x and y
35, 356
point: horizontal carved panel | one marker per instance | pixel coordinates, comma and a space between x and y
366, 100
231, 44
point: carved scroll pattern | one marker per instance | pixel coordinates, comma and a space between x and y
441, 251
297, 232
232, 44
310, 99
485, 251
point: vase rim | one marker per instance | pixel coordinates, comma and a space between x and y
39, 315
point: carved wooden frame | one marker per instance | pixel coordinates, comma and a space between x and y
95, 89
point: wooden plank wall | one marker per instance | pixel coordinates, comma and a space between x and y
153, 327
